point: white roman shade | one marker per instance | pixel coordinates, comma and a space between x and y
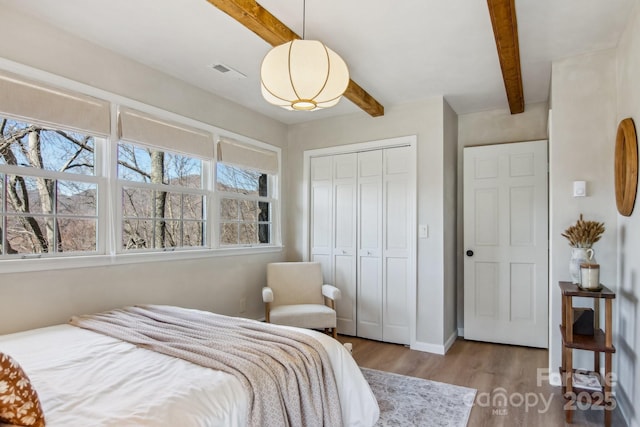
30, 100
134, 126
247, 156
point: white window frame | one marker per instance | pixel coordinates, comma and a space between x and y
96, 179
274, 196
270, 198
204, 192
108, 191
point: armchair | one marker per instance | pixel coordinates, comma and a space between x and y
295, 296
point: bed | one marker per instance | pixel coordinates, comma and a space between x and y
87, 378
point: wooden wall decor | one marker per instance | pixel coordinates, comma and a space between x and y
626, 167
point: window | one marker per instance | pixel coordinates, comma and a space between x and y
246, 206
246, 177
48, 190
67, 187
163, 199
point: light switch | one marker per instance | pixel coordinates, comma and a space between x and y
423, 231
579, 188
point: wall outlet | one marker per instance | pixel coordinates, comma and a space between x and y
243, 305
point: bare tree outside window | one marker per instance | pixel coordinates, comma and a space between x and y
41, 213
245, 206
154, 218
49, 196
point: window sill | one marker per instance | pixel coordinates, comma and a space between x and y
60, 263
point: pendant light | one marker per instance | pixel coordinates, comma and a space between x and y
303, 74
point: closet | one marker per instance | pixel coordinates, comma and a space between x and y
361, 209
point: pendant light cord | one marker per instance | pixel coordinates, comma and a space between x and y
304, 17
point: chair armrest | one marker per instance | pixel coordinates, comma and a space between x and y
331, 292
267, 294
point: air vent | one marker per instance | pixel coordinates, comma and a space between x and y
227, 71
221, 68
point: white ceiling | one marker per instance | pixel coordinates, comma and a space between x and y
399, 51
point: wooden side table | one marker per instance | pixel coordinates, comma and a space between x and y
600, 342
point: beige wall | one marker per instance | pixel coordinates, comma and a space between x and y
583, 129
450, 205
628, 235
499, 126
424, 119
485, 128
42, 298
216, 283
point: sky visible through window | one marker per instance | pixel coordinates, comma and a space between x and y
59, 150
50, 149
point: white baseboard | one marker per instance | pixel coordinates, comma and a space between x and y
427, 347
450, 341
435, 348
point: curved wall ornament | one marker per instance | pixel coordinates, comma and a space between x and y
626, 166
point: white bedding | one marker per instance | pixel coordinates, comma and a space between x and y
88, 379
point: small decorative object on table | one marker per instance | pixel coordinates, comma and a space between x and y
582, 235
590, 277
583, 321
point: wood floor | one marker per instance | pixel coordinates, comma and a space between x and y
494, 370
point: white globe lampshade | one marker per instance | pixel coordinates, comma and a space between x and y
303, 75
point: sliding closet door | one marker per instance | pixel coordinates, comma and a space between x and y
333, 229
397, 245
370, 245
361, 208
344, 239
322, 214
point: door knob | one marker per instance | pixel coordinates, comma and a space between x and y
469, 252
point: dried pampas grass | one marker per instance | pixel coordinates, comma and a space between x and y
583, 234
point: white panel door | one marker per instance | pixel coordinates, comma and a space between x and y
397, 246
370, 231
344, 238
506, 244
321, 210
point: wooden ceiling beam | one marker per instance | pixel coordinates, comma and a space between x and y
259, 20
505, 31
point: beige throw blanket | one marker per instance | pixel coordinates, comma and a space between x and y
287, 374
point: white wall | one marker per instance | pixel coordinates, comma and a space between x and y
485, 128
628, 235
217, 283
424, 119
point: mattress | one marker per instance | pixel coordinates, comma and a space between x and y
88, 379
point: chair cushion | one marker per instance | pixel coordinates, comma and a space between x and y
295, 283
304, 316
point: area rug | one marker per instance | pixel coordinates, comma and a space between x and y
409, 401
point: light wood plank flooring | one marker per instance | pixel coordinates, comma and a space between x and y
492, 369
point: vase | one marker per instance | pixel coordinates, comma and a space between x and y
579, 256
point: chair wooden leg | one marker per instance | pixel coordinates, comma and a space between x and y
267, 309
335, 333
